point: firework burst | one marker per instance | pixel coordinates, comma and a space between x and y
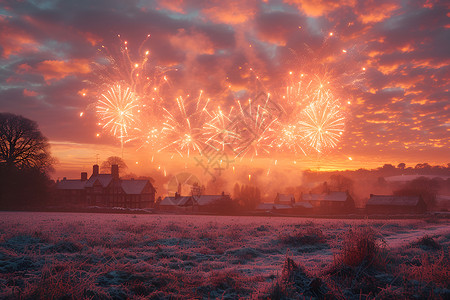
116, 110
322, 124
183, 131
289, 138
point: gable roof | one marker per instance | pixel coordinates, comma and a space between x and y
303, 204
391, 200
172, 201
209, 199
285, 197
133, 187
71, 184
103, 179
332, 196
270, 206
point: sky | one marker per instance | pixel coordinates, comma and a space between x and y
385, 63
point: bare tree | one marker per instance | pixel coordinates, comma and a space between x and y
24, 162
22, 145
113, 160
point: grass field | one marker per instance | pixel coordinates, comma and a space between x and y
120, 256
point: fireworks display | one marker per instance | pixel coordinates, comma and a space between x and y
304, 117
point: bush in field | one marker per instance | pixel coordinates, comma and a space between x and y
358, 268
427, 242
359, 246
431, 269
295, 283
310, 236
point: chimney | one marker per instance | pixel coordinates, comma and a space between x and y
94, 170
115, 171
83, 176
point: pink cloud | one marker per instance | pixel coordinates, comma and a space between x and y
29, 93
14, 40
320, 7
57, 69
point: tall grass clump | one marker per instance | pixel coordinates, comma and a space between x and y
360, 246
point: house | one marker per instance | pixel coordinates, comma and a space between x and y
330, 202
442, 203
106, 190
71, 192
177, 203
275, 208
390, 204
285, 203
212, 203
205, 203
286, 199
302, 206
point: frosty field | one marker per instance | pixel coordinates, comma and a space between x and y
119, 256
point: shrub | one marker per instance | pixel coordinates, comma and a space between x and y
295, 283
359, 246
310, 236
427, 242
436, 270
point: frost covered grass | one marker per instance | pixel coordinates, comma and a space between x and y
102, 256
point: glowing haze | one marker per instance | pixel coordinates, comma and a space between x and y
228, 85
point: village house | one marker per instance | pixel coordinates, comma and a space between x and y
330, 202
71, 192
212, 203
286, 204
177, 203
442, 203
105, 190
286, 199
204, 203
390, 204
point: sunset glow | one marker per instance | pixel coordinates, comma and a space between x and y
247, 83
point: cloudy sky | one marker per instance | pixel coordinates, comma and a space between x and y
387, 61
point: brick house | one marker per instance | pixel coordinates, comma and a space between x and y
390, 204
330, 203
105, 190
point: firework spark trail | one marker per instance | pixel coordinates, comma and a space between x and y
116, 110
137, 71
219, 131
256, 130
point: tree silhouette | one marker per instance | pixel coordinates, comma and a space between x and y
22, 145
113, 160
24, 162
341, 183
